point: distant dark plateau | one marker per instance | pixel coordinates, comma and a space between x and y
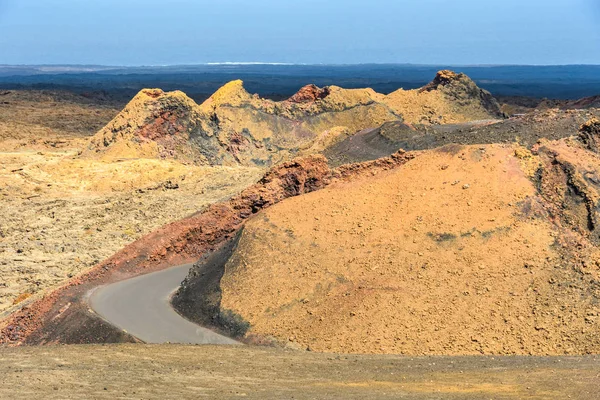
281, 81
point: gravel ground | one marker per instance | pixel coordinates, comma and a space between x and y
62, 215
174, 371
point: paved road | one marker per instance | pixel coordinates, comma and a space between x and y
141, 307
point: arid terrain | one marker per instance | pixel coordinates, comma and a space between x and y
73, 197
525, 130
234, 127
463, 260
341, 221
299, 200
33, 119
62, 214
172, 372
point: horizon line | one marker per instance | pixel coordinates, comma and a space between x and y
259, 63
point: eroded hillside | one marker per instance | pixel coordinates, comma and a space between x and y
449, 98
234, 127
486, 248
67, 212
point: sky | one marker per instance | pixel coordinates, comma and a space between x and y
171, 32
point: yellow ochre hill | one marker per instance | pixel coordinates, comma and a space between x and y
234, 127
480, 249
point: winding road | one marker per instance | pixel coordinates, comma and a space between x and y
141, 306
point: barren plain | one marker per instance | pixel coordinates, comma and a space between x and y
175, 372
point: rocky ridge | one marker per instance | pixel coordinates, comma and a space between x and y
234, 127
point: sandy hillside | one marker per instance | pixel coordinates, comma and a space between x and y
449, 98
63, 316
456, 252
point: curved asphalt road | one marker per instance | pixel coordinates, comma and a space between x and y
141, 306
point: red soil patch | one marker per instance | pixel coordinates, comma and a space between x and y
309, 93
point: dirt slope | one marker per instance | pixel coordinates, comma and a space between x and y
491, 250
463, 250
234, 127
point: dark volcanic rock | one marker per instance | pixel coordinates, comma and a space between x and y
199, 297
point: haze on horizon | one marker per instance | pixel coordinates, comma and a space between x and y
150, 32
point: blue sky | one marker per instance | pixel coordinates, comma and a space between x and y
163, 32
